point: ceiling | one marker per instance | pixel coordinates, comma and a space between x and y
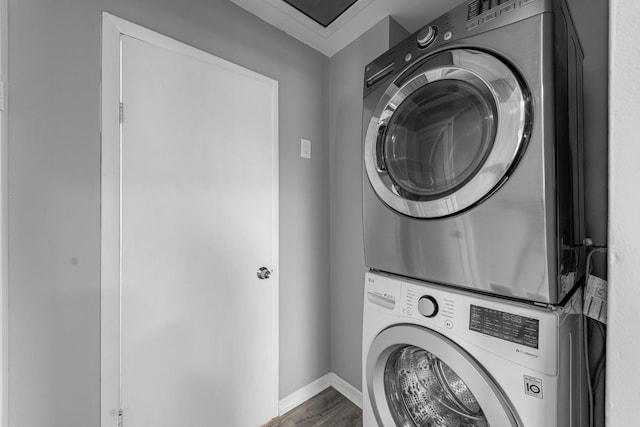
345, 20
324, 12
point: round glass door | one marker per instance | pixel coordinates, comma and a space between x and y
416, 377
424, 391
438, 138
445, 135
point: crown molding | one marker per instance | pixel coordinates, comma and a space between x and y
360, 17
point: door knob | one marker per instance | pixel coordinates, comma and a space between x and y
263, 273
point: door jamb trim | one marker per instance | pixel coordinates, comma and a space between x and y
113, 28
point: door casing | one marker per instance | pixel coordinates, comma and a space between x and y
110, 276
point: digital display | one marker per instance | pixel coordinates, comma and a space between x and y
506, 326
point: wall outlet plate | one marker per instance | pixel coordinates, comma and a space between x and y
305, 148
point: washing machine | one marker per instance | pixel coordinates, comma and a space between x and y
472, 152
433, 356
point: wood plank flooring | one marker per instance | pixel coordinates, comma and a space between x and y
326, 409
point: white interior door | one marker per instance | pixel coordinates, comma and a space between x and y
198, 196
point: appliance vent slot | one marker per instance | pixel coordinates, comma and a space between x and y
380, 74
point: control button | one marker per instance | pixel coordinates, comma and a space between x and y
447, 36
526, 2
472, 25
408, 57
488, 18
508, 9
428, 306
427, 36
448, 324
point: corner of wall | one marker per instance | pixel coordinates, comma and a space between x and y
397, 32
347, 265
4, 282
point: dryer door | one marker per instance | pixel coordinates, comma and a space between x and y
419, 378
446, 133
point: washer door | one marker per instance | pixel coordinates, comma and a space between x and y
419, 378
446, 133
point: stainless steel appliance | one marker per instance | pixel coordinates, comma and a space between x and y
473, 151
433, 356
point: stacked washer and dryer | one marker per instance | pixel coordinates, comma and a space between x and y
473, 222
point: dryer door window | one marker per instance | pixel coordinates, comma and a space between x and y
447, 133
438, 138
416, 377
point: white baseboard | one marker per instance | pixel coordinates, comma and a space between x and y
303, 394
346, 389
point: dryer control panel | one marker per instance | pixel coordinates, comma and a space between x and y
472, 17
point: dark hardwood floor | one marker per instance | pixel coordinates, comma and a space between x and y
326, 409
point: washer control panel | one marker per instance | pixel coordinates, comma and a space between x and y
382, 292
504, 325
429, 306
512, 330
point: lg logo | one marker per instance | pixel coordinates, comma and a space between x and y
533, 386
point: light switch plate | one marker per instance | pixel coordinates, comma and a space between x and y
305, 148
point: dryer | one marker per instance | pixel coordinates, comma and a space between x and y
433, 356
472, 152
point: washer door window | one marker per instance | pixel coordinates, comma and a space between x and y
418, 378
422, 390
446, 134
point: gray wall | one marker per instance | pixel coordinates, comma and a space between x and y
54, 193
346, 71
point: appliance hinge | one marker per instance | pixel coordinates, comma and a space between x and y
120, 418
121, 112
2, 95
544, 305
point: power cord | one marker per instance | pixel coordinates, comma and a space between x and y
586, 361
599, 369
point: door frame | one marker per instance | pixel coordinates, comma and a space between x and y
113, 28
4, 224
